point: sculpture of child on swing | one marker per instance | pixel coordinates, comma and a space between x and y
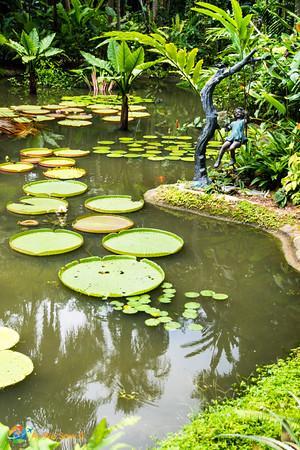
236, 138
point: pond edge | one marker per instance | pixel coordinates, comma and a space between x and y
285, 227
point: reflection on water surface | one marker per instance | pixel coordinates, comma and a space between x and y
92, 362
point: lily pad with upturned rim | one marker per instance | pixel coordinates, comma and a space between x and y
45, 242
192, 294
207, 293
101, 223
74, 123
113, 204
65, 173
36, 152
143, 242
57, 162
55, 188
192, 305
37, 205
17, 167
14, 367
69, 153
8, 338
112, 276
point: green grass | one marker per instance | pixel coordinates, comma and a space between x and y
242, 211
270, 389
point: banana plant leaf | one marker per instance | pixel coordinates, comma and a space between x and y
113, 204
37, 205
55, 188
142, 242
111, 276
45, 242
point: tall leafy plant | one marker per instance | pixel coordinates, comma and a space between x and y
31, 49
123, 66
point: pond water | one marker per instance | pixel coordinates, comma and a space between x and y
84, 353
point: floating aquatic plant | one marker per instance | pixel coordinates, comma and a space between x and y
113, 204
101, 223
55, 188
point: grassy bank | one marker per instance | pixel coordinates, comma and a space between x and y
270, 389
217, 205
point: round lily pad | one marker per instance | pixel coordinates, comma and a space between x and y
167, 285
14, 367
80, 116
8, 338
152, 322
220, 296
172, 326
111, 276
195, 327
65, 173
106, 142
192, 294
16, 167
55, 188
207, 293
37, 205
190, 314
71, 153
101, 223
105, 111
113, 204
57, 162
129, 310
149, 242
42, 152
74, 123
192, 305
44, 242
114, 155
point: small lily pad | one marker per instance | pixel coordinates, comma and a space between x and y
8, 338
220, 296
195, 327
172, 326
152, 322
16, 167
163, 299
192, 305
207, 293
167, 285
190, 314
192, 294
129, 310
169, 291
164, 319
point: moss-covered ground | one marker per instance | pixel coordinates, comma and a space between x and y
217, 205
246, 414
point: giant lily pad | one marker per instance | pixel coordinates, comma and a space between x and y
101, 223
16, 167
44, 242
69, 153
74, 123
55, 188
57, 162
63, 173
36, 152
143, 242
14, 367
37, 205
8, 338
111, 276
113, 204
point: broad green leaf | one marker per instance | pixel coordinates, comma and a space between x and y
46, 42
171, 51
4, 443
277, 104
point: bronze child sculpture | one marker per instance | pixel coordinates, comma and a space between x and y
235, 139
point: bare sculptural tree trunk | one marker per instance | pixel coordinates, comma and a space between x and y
211, 116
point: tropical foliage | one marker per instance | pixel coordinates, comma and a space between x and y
32, 49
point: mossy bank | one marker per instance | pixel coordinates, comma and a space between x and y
283, 224
271, 389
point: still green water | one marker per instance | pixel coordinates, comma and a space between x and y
84, 353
